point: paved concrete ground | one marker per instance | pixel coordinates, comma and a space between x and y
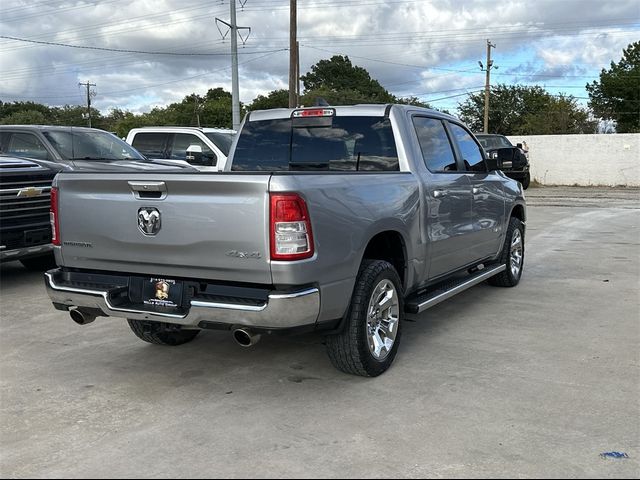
535, 381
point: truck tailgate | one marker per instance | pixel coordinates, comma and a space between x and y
211, 226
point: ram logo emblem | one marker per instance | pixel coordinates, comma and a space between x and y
149, 221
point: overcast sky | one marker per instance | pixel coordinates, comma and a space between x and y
425, 48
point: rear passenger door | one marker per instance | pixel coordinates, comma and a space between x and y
151, 144
487, 194
448, 216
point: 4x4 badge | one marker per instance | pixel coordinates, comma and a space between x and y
149, 220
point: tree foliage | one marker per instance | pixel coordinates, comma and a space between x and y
340, 77
274, 99
523, 110
616, 96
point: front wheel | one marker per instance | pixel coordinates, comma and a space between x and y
369, 341
512, 256
526, 180
161, 333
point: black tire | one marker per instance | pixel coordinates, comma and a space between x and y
349, 350
508, 278
39, 264
526, 180
161, 333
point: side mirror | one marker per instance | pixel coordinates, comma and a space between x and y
519, 145
194, 154
500, 159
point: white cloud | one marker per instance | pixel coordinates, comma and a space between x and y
406, 45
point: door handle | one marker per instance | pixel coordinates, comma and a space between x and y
475, 190
439, 193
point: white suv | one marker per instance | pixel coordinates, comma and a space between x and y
204, 148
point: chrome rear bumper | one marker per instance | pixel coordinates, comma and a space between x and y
280, 311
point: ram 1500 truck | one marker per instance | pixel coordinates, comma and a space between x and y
340, 220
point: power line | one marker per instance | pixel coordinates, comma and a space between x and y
105, 49
145, 87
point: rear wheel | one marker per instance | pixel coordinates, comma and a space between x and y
161, 333
369, 341
512, 256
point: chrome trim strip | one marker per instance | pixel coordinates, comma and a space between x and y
460, 288
228, 306
302, 293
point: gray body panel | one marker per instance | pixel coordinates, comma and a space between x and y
206, 216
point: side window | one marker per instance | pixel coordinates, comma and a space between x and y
434, 143
27, 145
182, 141
152, 145
471, 153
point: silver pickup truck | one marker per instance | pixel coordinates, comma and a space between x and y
339, 220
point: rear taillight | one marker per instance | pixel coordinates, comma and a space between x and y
53, 216
291, 236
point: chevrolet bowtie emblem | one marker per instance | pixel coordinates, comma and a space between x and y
29, 192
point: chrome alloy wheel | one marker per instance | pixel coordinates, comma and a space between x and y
383, 316
516, 253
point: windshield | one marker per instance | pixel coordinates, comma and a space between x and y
221, 140
91, 145
492, 143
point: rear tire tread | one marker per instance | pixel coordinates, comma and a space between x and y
347, 350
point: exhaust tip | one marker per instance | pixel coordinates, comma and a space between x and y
81, 318
245, 338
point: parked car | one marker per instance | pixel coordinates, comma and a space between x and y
77, 147
328, 219
25, 230
204, 148
516, 159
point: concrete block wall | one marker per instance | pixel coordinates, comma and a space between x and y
606, 160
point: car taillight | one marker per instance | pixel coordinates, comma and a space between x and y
53, 216
291, 236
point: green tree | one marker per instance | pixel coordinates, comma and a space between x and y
339, 78
562, 115
274, 99
524, 110
24, 117
617, 95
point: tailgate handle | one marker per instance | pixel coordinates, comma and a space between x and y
149, 190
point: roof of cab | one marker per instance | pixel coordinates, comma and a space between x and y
361, 110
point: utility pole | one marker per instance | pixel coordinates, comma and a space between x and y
297, 73
89, 93
234, 30
293, 53
487, 86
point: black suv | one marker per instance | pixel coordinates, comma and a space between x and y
515, 162
25, 190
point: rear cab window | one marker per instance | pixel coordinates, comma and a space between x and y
329, 143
